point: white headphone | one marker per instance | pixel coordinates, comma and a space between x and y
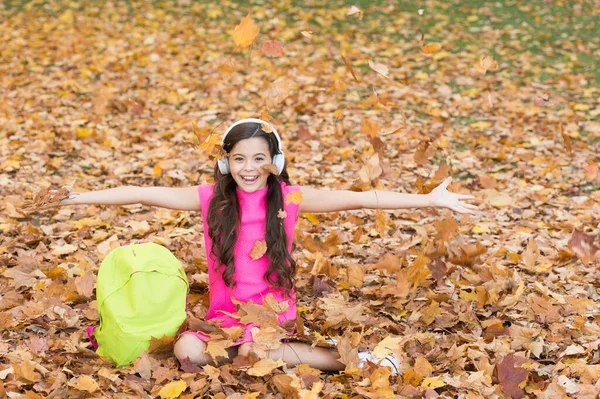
278, 159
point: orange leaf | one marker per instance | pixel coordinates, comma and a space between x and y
246, 32
431, 48
161, 345
349, 66
272, 48
583, 246
258, 250
294, 197
486, 63
370, 127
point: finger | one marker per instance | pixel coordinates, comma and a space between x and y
465, 196
469, 206
462, 209
446, 182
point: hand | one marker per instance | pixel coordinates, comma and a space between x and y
441, 197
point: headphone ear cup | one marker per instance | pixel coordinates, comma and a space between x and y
279, 162
223, 166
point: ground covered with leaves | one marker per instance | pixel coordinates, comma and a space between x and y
502, 96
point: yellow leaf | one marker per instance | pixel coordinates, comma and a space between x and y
370, 127
314, 219
481, 124
264, 367
431, 48
356, 275
173, 389
480, 229
156, 171
258, 250
433, 383
294, 197
386, 347
246, 32
581, 107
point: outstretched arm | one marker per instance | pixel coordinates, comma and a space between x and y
317, 201
184, 199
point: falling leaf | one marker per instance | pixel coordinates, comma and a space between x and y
355, 10
264, 367
272, 48
370, 127
266, 127
295, 197
349, 66
379, 68
306, 33
431, 48
271, 168
246, 32
173, 389
258, 250
583, 246
542, 101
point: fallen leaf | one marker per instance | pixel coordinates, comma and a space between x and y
173, 389
84, 383
264, 367
511, 375
583, 246
486, 63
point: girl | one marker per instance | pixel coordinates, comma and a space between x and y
251, 201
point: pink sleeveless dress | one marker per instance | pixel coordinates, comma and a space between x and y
249, 274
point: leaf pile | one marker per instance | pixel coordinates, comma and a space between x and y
503, 97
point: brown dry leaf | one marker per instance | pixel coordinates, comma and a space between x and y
380, 69
218, 348
511, 375
486, 63
246, 32
26, 370
356, 275
349, 66
259, 249
271, 168
143, 366
272, 48
86, 284
37, 344
84, 383
264, 367
295, 197
583, 246
161, 345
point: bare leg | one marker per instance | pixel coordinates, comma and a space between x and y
294, 353
192, 347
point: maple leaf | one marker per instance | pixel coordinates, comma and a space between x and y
511, 375
295, 197
188, 366
259, 249
37, 344
370, 127
86, 284
162, 345
583, 246
212, 143
84, 383
272, 48
143, 366
173, 389
218, 348
271, 168
264, 367
379, 68
246, 32
26, 370
431, 48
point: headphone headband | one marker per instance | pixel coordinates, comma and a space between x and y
278, 159
253, 120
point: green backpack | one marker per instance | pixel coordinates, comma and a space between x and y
141, 292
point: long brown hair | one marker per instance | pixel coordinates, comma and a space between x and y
224, 216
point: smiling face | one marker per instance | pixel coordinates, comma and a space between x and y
246, 159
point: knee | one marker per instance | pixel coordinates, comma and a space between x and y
190, 346
245, 349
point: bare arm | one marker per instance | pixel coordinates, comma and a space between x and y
317, 201
184, 199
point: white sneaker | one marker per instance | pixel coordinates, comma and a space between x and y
390, 361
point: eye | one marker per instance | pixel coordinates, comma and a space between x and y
238, 159
260, 159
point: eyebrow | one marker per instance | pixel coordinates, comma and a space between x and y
255, 155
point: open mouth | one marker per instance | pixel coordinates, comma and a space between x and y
249, 179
